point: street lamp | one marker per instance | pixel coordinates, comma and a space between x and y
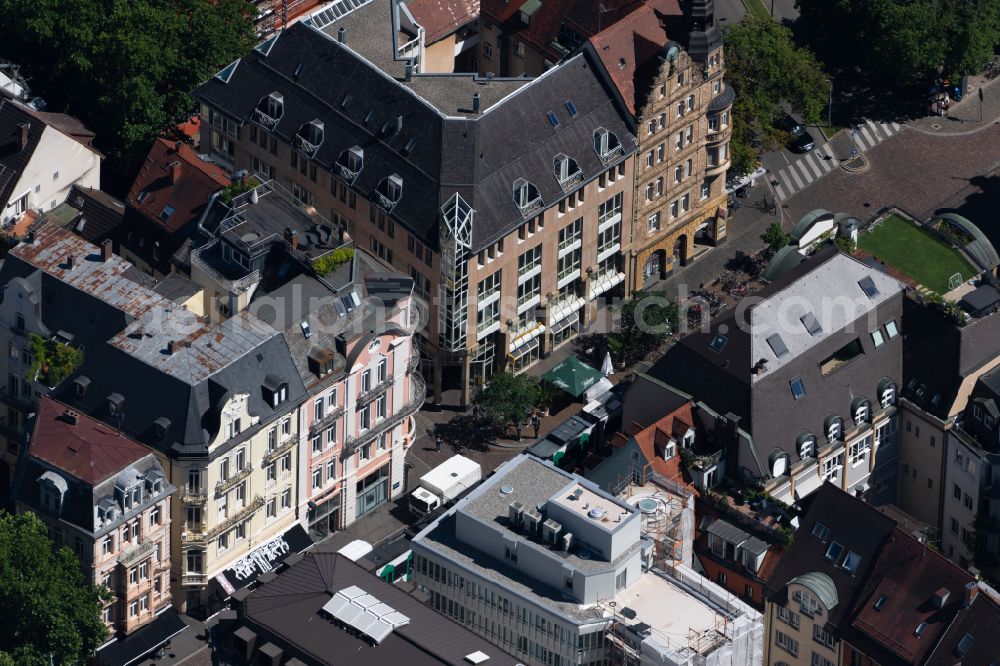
829, 105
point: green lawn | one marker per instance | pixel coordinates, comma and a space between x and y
915, 252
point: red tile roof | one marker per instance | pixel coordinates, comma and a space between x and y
440, 18
630, 48
173, 174
580, 16
673, 425
89, 450
908, 574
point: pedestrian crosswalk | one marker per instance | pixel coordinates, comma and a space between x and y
821, 161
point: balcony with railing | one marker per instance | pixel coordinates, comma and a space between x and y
138, 553
367, 396
304, 145
194, 496
571, 181
232, 521
611, 154
278, 451
346, 172
194, 579
328, 420
418, 389
260, 116
225, 484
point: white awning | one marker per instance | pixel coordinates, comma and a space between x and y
604, 282
564, 309
807, 483
524, 337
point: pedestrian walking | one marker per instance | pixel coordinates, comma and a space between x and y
438, 442
536, 423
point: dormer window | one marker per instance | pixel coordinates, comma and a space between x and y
160, 427
52, 489
154, 482
115, 401
389, 192
309, 137
834, 428
860, 410
80, 385
275, 390
526, 197
805, 444
567, 171
886, 393
607, 145
350, 163
270, 109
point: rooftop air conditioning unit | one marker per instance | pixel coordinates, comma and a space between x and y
550, 532
515, 512
567, 541
532, 520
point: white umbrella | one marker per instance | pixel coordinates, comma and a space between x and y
607, 368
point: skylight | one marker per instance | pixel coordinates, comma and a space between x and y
820, 531
880, 602
718, 342
964, 645
851, 561
167, 211
834, 551
868, 286
571, 107
921, 628
798, 388
810, 322
777, 345
553, 118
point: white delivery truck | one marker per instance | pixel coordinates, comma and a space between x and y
444, 483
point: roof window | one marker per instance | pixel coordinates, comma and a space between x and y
571, 107
226, 72
964, 645
868, 286
834, 551
777, 345
811, 323
798, 388
167, 211
553, 118
820, 531
880, 602
718, 342
851, 561
921, 628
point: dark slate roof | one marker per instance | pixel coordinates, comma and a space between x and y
476, 156
176, 288
981, 622
852, 523
101, 212
214, 361
647, 400
287, 610
14, 158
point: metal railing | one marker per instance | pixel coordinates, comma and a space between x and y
326, 421
305, 146
384, 202
571, 181
418, 392
261, 117
138, 553
375, 391
226, 484
345, 172
255, 504
612, 154
196, 497
277, 452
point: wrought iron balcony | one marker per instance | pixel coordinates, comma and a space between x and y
194, 533
305, 146
571, 181
261, 117
194, 579
137, 554
326, 421
531, 207
195, 497
232, 521
384, 202
226, 484
612, 154
375, 391
276, 453
346, 172
418, 391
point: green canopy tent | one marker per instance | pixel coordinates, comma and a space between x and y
573, 376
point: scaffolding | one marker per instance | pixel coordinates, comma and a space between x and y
662, 510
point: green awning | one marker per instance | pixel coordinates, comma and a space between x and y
573, 376
558, 456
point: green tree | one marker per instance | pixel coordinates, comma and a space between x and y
645, 321
507, 398
124, 67
48, 606
775, 237
767, 69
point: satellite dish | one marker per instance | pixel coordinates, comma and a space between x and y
672, 53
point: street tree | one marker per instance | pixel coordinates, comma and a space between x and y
48, 606
775, 237
507, 398
645, 321
124, 67
767, 69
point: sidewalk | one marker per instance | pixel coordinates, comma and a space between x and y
964, 116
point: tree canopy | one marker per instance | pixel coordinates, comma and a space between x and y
893, 43
507, 397
48, 606
775, 237
124, 67
645, 321
767, 69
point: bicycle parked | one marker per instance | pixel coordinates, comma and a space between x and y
766, 207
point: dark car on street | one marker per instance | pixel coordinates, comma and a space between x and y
801, 140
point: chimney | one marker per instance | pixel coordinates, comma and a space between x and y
175, 172
941, 597
409, 71
70, 262
971, 592
106, 250
342, 35
292, 238
475, 102
177, 147
71, 417
172, 347
24, 134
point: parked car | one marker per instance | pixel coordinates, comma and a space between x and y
802, 143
